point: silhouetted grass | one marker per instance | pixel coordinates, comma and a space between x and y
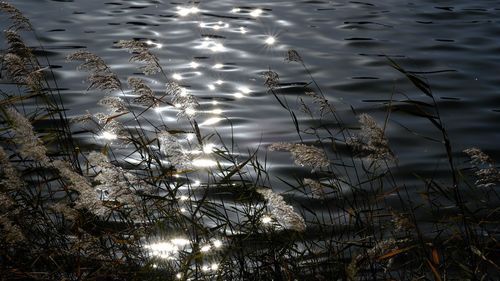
68, 213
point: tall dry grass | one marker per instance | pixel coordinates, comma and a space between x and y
68, 213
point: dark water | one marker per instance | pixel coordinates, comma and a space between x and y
454, 44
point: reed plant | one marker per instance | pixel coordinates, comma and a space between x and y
152, 213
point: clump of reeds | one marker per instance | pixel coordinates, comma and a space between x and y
30, 146
182, 100
174, 151
100, 75
146, 94
318, 189
115, 184
303, 155
283, 213
75, 214
114, 104
19, 71
373, 254
371, 140
271, 79
293, 56
10, 183
17, 46
87, 196
140, 53
18, 20
486, 173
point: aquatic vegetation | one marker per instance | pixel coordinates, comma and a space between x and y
146, 95
293, 56
100, 75
140, 53
486, 173
11, 179
318, 190
272, 79
282, 212
18, 20
182, 100
114, 104
142, 198
174, 151
303, 155
30, 146
371, 140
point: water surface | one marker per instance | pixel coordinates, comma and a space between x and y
220, 52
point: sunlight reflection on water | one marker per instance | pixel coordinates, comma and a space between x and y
343, 43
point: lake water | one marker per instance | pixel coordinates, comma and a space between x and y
343, 43
220, 51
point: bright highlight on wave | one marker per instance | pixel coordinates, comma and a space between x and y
107, 136
217, 47
270, 40
208, 148
194, 64
212, 267
212, 45
167, 250
216, 111
185, 11
266, 219
211, 121
215, 26
256, 13
190, 111
245, 90
204, 163
157, 45
177, 76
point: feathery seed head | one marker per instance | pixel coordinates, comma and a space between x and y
303, 155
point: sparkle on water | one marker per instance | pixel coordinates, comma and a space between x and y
177, 76
270, 40
190, 136
244, 90
194, 64
184, 11
216, 111
167, 249
256, 13
208, 148
204, 163
190, 111
211, 121
107, 136
157, 45
266, 219
217, 243
205, 248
